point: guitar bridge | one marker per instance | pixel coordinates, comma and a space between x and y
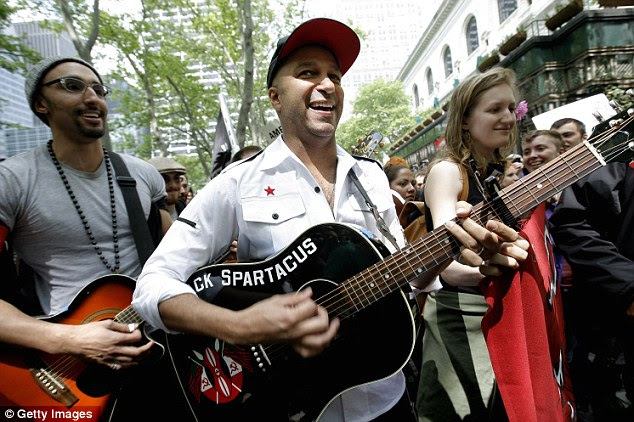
53, 387
261, 359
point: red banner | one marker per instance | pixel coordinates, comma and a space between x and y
524, 331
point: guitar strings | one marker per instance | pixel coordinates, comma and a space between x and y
335, 301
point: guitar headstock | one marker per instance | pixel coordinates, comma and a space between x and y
368, 144
614, 138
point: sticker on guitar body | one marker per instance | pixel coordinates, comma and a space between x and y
233, 278
216, 373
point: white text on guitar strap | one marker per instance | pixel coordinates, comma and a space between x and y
286, 265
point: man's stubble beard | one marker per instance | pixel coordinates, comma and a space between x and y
94, 133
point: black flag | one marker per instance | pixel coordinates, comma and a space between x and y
222, 147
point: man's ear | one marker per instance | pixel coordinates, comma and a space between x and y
274, 97
41, 105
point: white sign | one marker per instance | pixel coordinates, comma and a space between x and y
581, 110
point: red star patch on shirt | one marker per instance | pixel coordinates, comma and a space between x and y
269, 191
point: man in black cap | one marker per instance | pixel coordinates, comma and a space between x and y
64, 214
302, 179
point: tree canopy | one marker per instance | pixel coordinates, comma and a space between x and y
381, 106
174, 57
177, 56
14, 54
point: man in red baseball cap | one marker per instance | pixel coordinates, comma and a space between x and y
342, 42
267, 202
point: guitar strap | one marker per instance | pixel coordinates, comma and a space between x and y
138, 224
380, 223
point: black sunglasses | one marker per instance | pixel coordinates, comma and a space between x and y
77, 86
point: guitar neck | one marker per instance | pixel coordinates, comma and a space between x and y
128, 316
438, 246
551, 178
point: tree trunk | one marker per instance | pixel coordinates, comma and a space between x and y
84, 49
155, 134
247, 92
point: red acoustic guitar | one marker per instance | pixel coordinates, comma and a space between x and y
40, 379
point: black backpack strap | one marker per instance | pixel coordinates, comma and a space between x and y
138, 224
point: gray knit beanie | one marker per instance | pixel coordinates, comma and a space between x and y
32, 83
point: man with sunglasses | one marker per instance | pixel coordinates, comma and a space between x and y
64, 214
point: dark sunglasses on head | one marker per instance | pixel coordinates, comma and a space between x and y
77, 86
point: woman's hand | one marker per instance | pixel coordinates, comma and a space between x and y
491, 247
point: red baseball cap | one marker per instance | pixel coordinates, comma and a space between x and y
337, 37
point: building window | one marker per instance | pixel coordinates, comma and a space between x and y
448, 64
430, 82
506, 8
472, 35
416, 97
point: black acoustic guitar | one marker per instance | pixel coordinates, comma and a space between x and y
354, 278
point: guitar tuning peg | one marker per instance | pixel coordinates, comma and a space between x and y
616, 122
597, 116
630, 92
630, 112
616, 106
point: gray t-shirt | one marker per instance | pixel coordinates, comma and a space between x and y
48, 234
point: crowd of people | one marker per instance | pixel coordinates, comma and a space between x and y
67, 217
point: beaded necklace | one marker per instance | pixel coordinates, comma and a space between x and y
91, 237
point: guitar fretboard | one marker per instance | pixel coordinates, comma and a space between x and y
128, 316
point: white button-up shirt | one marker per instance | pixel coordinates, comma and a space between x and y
266, 202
